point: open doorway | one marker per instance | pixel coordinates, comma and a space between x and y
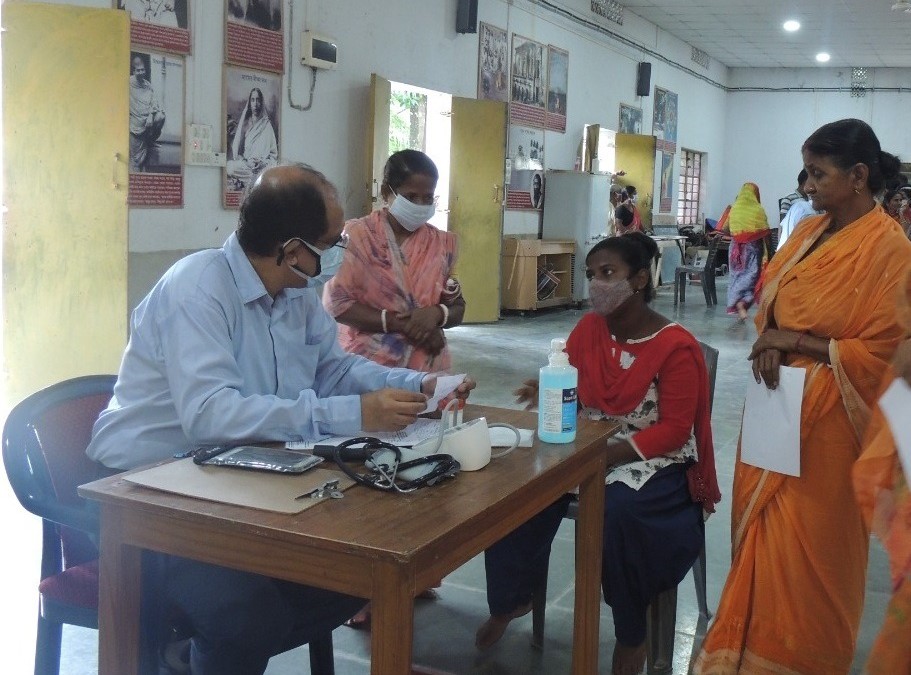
420, 119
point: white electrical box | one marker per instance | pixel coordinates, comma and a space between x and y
318, 51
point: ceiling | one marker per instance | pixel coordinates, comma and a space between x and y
748, 33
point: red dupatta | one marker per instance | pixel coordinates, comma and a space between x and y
616, 391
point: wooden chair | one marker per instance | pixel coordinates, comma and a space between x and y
662, 613
44, 442
706, 273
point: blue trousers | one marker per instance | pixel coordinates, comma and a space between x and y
652, 537
239, 620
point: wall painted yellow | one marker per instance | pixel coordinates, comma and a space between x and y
65, 135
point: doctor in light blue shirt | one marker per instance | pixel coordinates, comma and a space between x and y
232, 345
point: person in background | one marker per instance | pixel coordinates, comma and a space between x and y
785, 203
625, 219
615, 198
647, 373
393, 294
748, 225
629, 199
794, 595
800, 209
231, 345
896, 205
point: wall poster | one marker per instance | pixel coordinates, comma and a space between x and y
557, 84
528, 87
252, 109
156, 129
630, 120
666, 196
159, 24
526, 176
664, 123
253, 34
493, 64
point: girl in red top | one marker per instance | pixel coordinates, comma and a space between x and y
647, 373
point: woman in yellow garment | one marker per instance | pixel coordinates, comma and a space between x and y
793, 598
882, 491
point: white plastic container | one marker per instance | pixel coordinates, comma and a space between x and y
557, 397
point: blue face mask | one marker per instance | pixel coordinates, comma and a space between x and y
329, 262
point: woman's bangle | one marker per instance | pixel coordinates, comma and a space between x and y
383, 320
445, 315
797, 344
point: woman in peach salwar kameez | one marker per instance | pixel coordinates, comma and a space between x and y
794, 595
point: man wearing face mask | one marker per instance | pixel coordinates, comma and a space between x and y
393, 292
230, 345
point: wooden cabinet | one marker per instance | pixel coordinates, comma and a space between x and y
537, 273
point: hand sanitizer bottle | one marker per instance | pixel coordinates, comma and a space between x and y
557, 408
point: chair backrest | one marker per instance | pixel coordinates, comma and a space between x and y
710, 354
44, 442
714, 242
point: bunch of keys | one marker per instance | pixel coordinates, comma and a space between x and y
330, 487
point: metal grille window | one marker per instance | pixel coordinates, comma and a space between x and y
690, 184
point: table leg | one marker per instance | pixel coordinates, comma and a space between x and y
120, 572
589, 534
392, 623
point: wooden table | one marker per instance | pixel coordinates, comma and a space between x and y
371, 544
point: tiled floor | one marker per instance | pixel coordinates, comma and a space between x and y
499, 356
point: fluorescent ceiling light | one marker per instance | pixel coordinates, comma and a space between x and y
823, 57
791, 25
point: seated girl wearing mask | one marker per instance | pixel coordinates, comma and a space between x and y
392, 295
647, 373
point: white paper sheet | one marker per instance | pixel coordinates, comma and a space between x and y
446, 384
896, 406
771, 423
500, 437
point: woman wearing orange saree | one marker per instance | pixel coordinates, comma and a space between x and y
794, 595
882, 491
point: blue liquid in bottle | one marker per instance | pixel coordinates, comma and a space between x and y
557, 407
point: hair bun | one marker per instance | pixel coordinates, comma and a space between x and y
645, 241
889, 164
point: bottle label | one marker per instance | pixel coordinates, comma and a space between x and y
559, 410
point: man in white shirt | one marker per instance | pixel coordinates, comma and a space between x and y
800, 208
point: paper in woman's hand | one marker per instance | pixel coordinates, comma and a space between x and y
446, 384
771, 423
895, 404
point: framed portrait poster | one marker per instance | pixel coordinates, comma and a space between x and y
557, 83
527, 84
252, 109
253, 34
493, 63
159, 24
156, 129
667, 182
664, 122
630, 120
526, 175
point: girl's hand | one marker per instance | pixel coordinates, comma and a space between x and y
527, 394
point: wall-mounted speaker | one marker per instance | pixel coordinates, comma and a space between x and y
644, 79
467, 16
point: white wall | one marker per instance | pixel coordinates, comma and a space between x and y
414, 41
765, 129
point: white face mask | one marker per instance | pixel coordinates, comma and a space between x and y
607, 296
409, 215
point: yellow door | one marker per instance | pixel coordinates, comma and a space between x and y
636, 156
377, 139
478, 156
65, 142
